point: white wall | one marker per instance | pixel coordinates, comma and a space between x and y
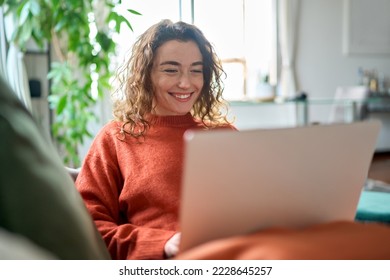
320, 63
322, 66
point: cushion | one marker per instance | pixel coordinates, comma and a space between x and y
38, 199
16, 247
374, 207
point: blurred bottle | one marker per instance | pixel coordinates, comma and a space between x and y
373, 86
366, 78
381, 83
360, 74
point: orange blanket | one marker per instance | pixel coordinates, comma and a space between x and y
332, 241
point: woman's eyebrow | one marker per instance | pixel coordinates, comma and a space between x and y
172, 62
197, 63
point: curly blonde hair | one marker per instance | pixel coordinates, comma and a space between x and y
136, 87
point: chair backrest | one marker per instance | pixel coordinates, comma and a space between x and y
348, 103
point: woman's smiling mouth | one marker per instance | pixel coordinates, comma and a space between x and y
181, 96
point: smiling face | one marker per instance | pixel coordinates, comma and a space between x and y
177, 77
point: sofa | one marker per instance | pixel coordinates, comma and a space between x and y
42, 216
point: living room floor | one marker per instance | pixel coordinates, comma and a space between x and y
380, 167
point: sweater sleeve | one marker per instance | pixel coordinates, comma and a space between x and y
100, 183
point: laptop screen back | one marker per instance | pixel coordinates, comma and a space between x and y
241, 182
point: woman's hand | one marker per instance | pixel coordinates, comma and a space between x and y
171, 248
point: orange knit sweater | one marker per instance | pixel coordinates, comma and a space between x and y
132, 188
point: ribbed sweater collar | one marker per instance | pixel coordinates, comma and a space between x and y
184, 120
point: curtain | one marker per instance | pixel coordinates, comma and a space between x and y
288, 25
3, 47
13, 68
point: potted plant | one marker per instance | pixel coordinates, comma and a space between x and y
80, 32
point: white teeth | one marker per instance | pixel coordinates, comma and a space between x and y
184, 96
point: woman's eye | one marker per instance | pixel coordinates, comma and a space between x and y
170, 70
197, 70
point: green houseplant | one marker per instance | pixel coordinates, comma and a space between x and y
81, 34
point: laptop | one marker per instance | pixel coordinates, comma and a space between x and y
241, 182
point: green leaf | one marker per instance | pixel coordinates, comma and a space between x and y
18, 8
61, 104
121, 19
104, 41
75, 3
134, 12
24, 13
35, 8
61, 24
25, 33
54, 4
112, 16
110, 5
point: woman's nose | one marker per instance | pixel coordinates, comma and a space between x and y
184, 81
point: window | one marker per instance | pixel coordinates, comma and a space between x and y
241, 31
150, 15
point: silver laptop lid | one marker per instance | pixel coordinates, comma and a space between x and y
240, 182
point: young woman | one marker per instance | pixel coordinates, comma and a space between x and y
130, 178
